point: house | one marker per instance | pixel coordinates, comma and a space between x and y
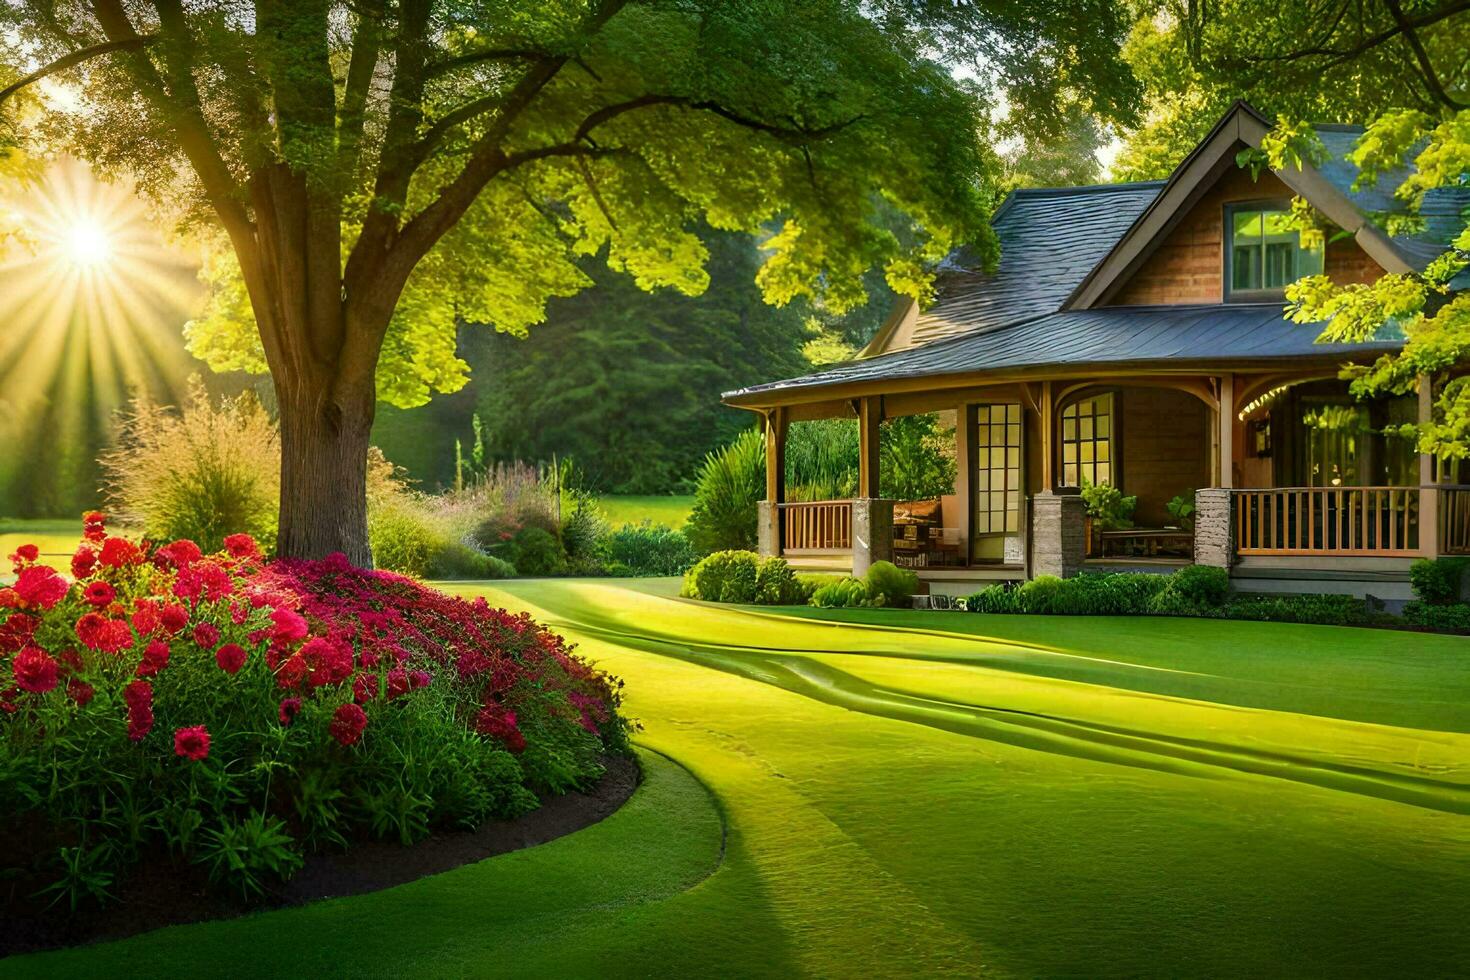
1133, 335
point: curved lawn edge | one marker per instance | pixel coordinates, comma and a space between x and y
668, 837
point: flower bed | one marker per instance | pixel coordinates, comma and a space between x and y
227, 714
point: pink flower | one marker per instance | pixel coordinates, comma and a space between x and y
97, 632
35, 671
398, 683
94, 526
83, 561
192, 743
173, 617
206, 635
290, 626
180, 554
290, 708
327, 661
348, 723
420, 678
230, 657
39, 586
139, 698
364, 688
79, 691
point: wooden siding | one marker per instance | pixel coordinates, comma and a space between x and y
1188, 266
1165, 449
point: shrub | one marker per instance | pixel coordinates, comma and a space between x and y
1201, 585
776, 584
844, 593
503, 501
889, 585
1323, 610
1108, 595
1455, 617
1107, 506
403, 537
730, 484
457, 560
1438, 581
648, 549
998, 598
807, 584
584, 534
707, 579
1039, 594
536, 551
236, 713
200, 472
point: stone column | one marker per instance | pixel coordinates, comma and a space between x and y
1058, 532
1214, 528
768, 528
872, 533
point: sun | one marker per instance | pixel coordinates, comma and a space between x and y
86, 243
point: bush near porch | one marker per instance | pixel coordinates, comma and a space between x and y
745, 577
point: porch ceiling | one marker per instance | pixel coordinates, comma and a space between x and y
1153, 338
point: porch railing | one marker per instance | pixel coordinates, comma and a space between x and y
1454, 520
821, 527
1367, 521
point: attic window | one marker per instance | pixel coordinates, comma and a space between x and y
1265, 253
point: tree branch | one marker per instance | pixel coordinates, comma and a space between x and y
1426, 68
61, 64
470, 58
366, 46
1340, 55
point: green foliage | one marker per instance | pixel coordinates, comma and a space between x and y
1181, 508
1454, 618
584, 533
248, 853
776, 584
1321, 610
822, 459
1107, 506
889, 585
1201, 585
998, 598
706, 580
201, 472
649, 549
1039, 595
730, 484
916, 458
1439, 581
536, 551
845, 593
743, 576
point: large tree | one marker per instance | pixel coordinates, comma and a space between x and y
378, 167
1402, 68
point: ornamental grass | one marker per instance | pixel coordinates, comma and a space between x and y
227, 715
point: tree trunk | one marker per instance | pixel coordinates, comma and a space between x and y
324, 444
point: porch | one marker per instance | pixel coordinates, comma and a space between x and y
1024, 448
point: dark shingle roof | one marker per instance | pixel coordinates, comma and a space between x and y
1049, 239
1106, 335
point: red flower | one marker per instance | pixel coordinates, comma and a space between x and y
37, 585
289, 625
155, 658
139, 698
16, 631
206, 635
290, 708
35, 671
348, 722
83, 561
98, 594
327, 661
241, 546
100, 633
398, 683
173, 617
364, 688
291, 672
495, 721
420, 678
192, 743
79, 691
230, 657
120, 553
94, 526
203, 579
24, 555
180, 554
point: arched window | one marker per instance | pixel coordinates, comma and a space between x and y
1087, 441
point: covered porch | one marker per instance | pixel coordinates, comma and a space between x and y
1282, 469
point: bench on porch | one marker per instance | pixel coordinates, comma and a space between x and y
1145, 542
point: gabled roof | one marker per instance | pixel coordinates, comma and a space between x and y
1328, 188
1115, 336
1049, 239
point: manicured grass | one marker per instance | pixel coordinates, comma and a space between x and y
671, 511
57, 539
913, 793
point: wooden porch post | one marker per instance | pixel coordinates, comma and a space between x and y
1048, 434
1225, 436
870, 413
1428, 483
965, 445
776, 455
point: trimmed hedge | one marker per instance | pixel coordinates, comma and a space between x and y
745, 577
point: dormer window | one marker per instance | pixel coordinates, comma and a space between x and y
1264, 254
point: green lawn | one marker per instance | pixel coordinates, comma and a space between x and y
908, 793
57, 539
672, 511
